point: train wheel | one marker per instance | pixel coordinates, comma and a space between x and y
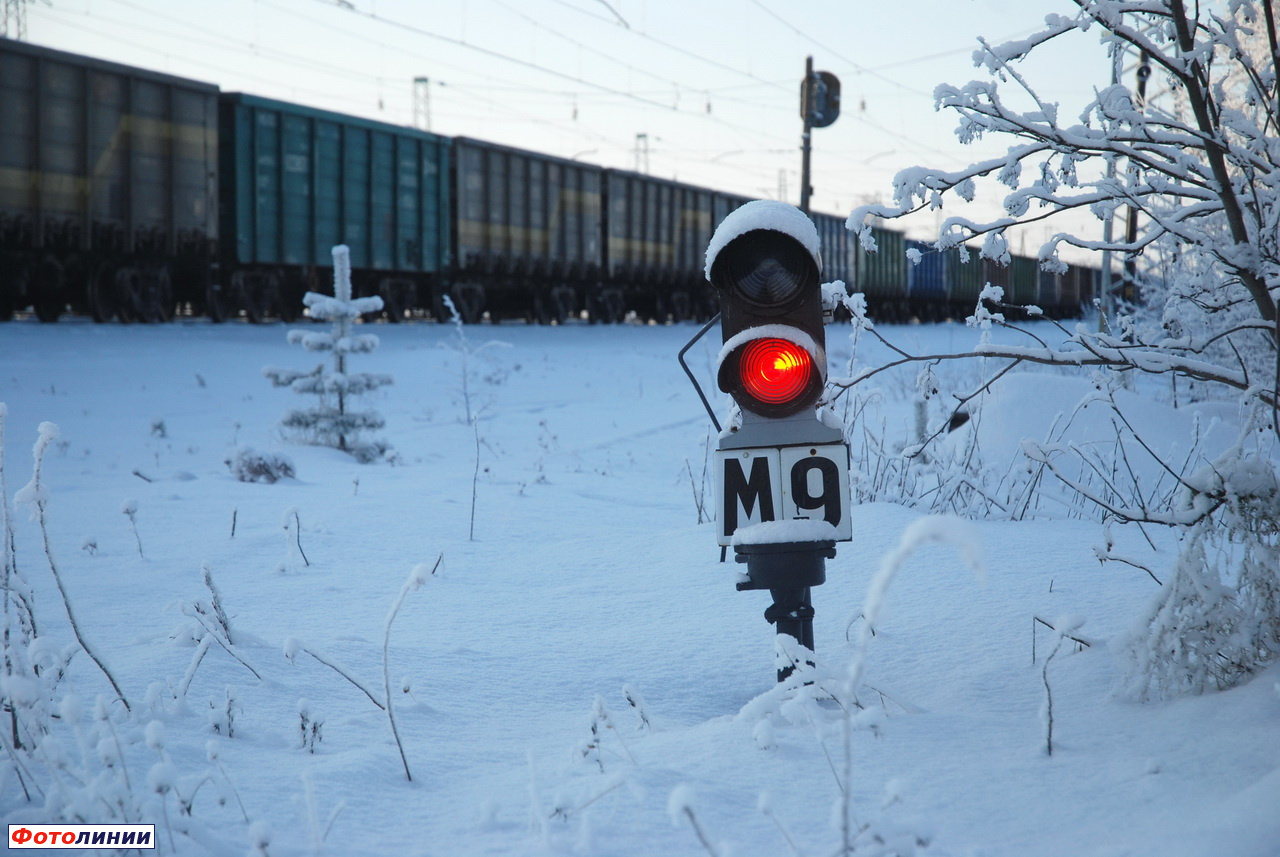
102, 293
470, 300
130, 305
258, 295
679, 307
397, 298
11, 273
158, 296
566, 303
48, 286
609, 308
47, 310
542, 313
216, 303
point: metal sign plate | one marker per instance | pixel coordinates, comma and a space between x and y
761, 484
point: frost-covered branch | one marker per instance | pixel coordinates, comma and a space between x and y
36, 493
417, 576
1085, 348
1201, 164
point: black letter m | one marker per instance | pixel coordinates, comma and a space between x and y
739, 487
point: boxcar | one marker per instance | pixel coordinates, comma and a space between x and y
107, 186
1023, 282
528, 232
656, 238
926, 282
1076, 288
838, 259
295, 181
882, 275
996, 274
964, 281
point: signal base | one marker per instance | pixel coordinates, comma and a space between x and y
790, 565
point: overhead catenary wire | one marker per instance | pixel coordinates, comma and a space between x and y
468, 100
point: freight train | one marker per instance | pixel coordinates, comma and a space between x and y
133, 195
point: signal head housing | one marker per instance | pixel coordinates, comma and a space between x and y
764, 261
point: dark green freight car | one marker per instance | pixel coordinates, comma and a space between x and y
295, 181
108, 183
882, 275
129, 194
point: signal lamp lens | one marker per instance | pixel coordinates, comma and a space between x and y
775, 371
767, 268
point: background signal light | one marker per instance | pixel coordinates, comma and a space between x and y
775, 371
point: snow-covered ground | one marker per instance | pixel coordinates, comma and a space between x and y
588, 581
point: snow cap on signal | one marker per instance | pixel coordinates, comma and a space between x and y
765, 214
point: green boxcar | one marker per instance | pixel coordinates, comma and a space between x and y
837, 245
1023, 289
996, 274
107, 186
964, 280
882, 276
296, 181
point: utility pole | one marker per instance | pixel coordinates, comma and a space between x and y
14, 20
422, 103
642, 153
806, 188
819, 107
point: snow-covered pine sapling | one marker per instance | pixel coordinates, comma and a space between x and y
129, 508
36, 493
333, 421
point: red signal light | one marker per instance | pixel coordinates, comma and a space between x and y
775, 371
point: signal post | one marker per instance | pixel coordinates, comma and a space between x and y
782, 475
